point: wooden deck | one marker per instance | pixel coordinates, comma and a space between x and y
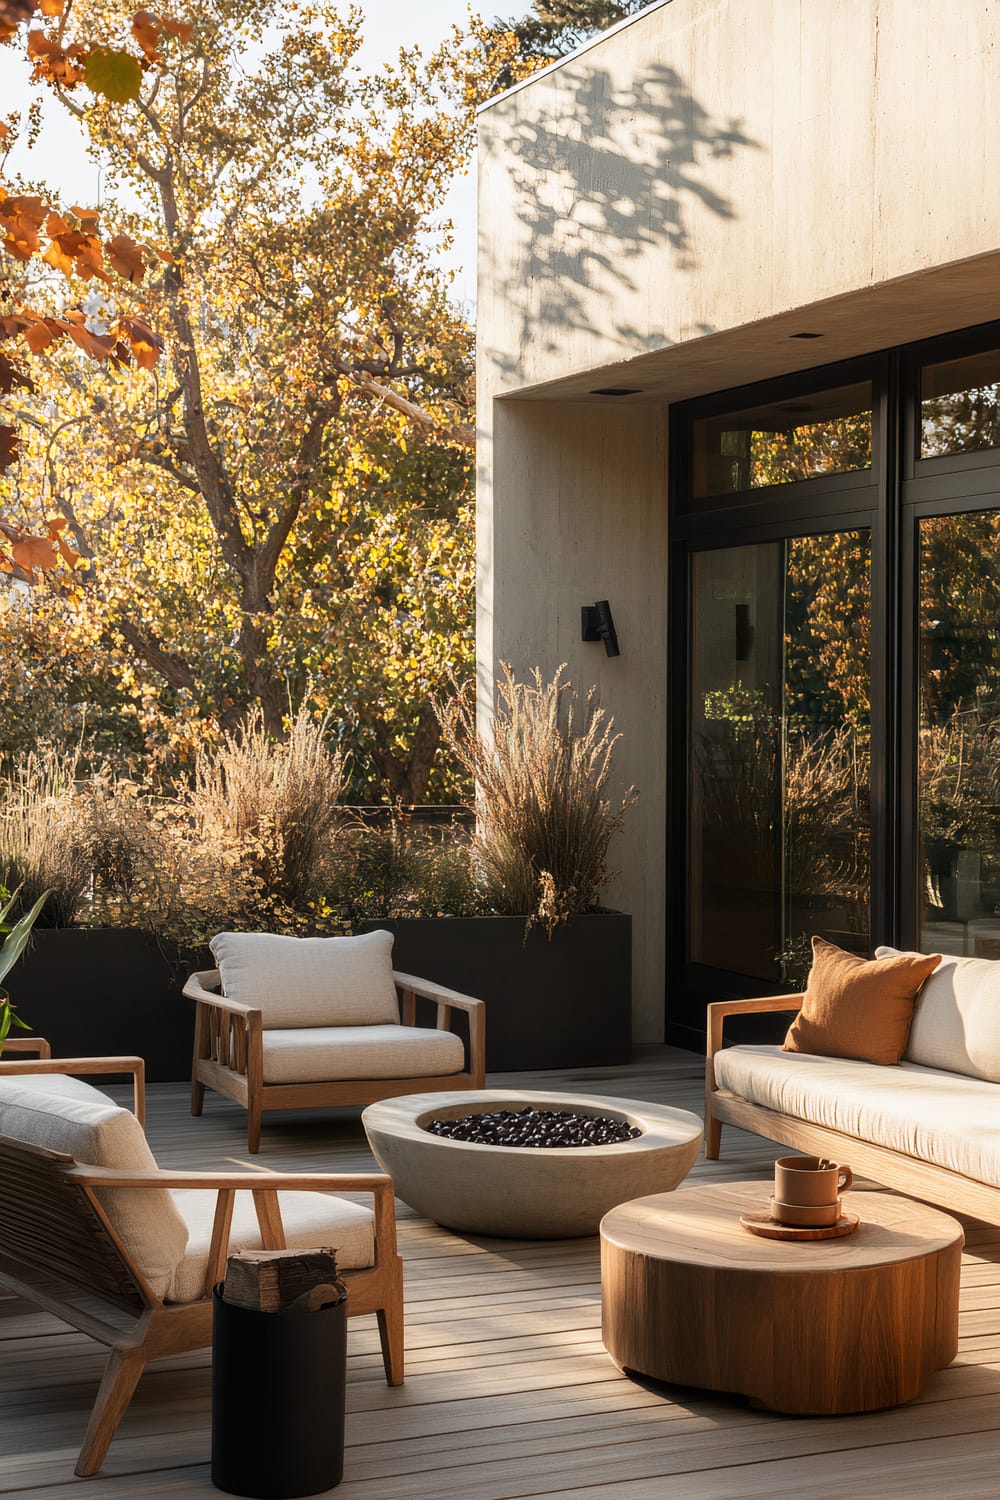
509, 1391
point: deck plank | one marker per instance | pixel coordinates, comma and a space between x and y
509, 1392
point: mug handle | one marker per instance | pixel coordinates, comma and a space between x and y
845, 1179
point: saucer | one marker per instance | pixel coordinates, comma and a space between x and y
761, 1223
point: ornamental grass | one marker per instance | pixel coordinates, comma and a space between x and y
544, 818
272, 806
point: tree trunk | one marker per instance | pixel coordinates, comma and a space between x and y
407, 779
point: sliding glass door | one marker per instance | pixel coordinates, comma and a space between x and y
779, 751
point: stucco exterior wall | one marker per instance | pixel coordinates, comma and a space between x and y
668, 209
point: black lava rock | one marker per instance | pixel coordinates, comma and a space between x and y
535, 1127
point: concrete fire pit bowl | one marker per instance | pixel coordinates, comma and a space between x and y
527, 1192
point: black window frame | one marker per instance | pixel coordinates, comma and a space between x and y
889, 500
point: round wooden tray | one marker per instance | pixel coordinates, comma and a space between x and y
770, 1229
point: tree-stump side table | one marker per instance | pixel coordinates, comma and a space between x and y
831, 1326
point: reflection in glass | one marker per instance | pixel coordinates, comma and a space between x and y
829, 432
959, 733
779, 719
960, 405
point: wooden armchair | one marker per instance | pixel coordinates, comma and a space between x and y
73, 1067
237, 1055
63, 1247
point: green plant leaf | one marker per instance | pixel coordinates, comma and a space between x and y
16, 940
116, 75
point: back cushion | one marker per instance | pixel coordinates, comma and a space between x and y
80, 1121
337, 981
956, 1021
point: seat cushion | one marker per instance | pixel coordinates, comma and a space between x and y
327, 1054
935, 1116
311, 1221
856, 1007
956, 1020
337, 981
72, 1117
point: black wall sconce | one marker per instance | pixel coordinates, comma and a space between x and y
597, 625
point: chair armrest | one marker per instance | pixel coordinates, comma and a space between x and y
718, 1011
196, 989
36, 1044
78, 1066
427, 990
250, 1182
446, 1000
265, 1187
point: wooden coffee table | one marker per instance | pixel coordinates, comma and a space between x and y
829, 1326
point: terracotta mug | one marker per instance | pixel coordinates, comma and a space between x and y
806, 1216
810, 1181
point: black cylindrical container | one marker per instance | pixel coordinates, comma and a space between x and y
278, 1392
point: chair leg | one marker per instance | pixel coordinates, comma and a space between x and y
390, 1331
121, 1376
253, 1126
197, 1096
713, 1138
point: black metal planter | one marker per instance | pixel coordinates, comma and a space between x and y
278, 1393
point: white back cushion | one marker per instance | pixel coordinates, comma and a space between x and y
956, 1020
337, 981
81, 1122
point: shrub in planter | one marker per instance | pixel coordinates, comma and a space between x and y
544, 820
554, 969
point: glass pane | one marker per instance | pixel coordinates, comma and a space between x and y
960, 405
959, 733
800, 438
779, 722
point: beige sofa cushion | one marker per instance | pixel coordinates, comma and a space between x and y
943, 1118
337, 981
328, 1053
956, 1021
311, 1220
70, 1116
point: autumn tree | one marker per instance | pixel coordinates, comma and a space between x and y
550, 29
269, 516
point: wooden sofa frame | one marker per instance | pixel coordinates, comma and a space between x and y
58, 1244
229, 1055
907, 1174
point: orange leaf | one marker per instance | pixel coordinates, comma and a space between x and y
56, 525
4, 131
8, 447
180, 29
14, 13
146, 345
41, 332
11, 377
147, 30
60, 64
52, 7
126, 257
31, 552
21, 218
6, 561
97, 345
88, 217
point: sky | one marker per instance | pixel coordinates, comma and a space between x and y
61, 162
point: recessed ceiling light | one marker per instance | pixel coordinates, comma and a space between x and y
617, 390
805, 335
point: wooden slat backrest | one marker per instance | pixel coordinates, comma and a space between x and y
49, 1226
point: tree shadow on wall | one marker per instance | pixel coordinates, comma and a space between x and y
613, 177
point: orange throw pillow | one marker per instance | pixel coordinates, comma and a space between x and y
857, 1007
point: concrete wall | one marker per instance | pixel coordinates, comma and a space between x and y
591, 488
718, 162
667, 209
